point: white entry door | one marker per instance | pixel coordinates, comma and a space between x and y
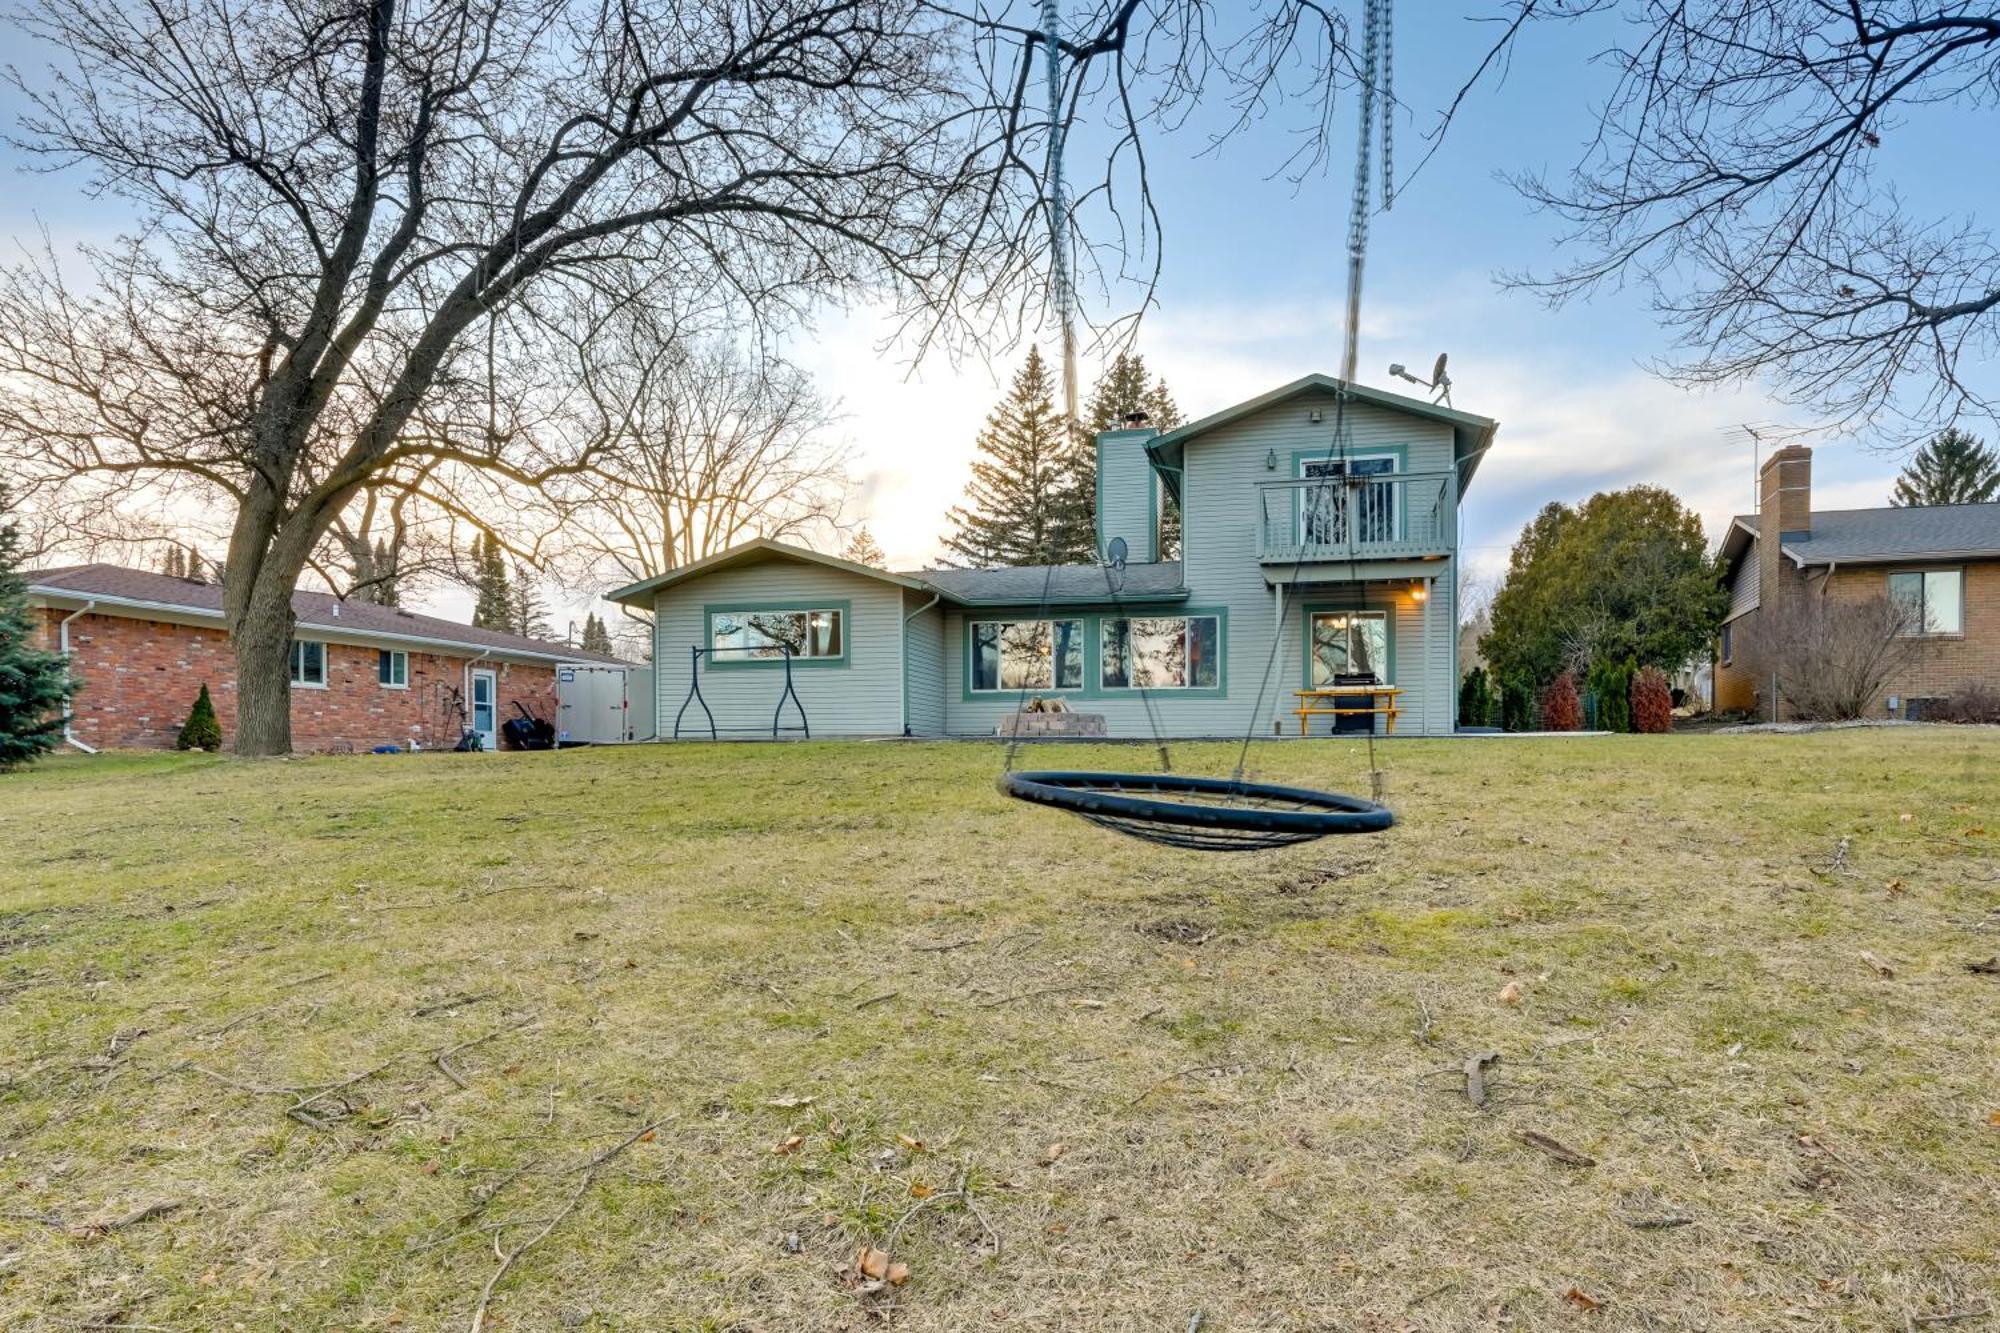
485, 708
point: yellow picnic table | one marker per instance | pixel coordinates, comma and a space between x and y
1337, 701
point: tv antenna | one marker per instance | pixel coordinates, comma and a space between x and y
1757, 434
1439, 383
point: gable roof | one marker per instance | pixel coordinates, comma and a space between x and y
1031, 585
1882, 536
755, 551
1471, 435
114, 587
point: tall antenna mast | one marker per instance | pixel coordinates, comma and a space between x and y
1063, 293
1378, 16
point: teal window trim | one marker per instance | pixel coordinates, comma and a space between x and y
1924, 598
1093, 638
1310, 609
731, 662
1300, 457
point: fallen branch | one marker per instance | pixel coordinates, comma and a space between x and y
1665, 1222
873, 1000
1475, 1077
1181, 1074
1562, 1152
454, 1002
946, 947
1046, 990
442, 1059
1949, 1317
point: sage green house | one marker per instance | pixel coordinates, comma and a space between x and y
1306, 557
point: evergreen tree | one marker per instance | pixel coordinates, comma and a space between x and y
35, 686
863, 550
596, 638
1123, 388
174, 563
1953, 469
494, 608
202, 730
1013, 510
526, 615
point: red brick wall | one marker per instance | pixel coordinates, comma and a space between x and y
1945, 666
140, 677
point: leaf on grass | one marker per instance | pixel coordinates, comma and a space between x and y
1876, 965
789, 1146
788, 1103
1582, 1300
1993, 1118
649, 1136
914, 1145
1054, 1154
872, 1263
1510, 993
919, 1190
1896, 886
898, 1274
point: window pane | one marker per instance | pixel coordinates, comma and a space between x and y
1204, 653
1114, 652
392, 667
986, 657
1942, 602
1349, 643
1329, 647
825, 640
1907, 592
1370, 652
1024, 655
1159, 652
1069, 654
764, 635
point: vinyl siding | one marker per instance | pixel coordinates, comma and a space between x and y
863, 697
1743, 592
924, 651
1127, 502
1219, 548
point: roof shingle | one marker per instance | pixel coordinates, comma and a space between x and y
1916, 532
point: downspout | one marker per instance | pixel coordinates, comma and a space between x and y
62, 637
935, 599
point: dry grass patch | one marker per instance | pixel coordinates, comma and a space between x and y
721, 1037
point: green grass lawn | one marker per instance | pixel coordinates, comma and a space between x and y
728, 1015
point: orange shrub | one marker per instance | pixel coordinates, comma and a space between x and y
1652, 702
1562, 708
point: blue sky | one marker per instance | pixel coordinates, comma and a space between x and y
1252, 297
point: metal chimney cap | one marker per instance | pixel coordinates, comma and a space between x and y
1136, 418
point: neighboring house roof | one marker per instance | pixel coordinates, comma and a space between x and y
1031, 585
1881, 536
752, 552
1471, 435
114, 587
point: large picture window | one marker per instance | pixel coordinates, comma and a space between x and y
308, 662
1027, 655
1935, 598
752, 636
1349, 643
1160, 653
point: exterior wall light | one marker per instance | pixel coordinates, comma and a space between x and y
1271, 460
1420, 594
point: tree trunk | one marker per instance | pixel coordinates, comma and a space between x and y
262, 641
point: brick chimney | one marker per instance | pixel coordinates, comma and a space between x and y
1784, 509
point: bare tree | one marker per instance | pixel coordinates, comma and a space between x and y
1741, 173
715, 446
1833, 656
353, 223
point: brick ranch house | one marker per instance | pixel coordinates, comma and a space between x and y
1942, 560
143, 644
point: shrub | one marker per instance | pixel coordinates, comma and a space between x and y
1835, 656
1475, 699
201, 731
35, 686
1652, 702
1977, 702
1562, 708
1517, 706
1611, 690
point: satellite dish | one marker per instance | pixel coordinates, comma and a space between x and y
1437, 372
1115, 552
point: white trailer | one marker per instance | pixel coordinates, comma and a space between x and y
600, 703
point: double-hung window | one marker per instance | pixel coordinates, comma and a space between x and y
1160, 652
1933, 598
1027, 655
309, 663
392, 668
752, 636
1349, 643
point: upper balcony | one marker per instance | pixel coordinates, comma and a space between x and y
1379, 516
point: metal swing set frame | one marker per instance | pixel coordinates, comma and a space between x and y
694, 696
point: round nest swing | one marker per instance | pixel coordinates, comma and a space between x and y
1200, 814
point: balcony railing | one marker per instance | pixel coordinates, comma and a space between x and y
1384, 516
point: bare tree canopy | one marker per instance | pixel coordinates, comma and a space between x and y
1743, 173
371, 238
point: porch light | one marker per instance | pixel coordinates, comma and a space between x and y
1420, 594
1271, 460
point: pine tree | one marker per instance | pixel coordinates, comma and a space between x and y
202, 730
1953, 469
494, 608
1012, 513
596, 638
174, 563
1121, 390
526, 616
35, 686
863, 550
